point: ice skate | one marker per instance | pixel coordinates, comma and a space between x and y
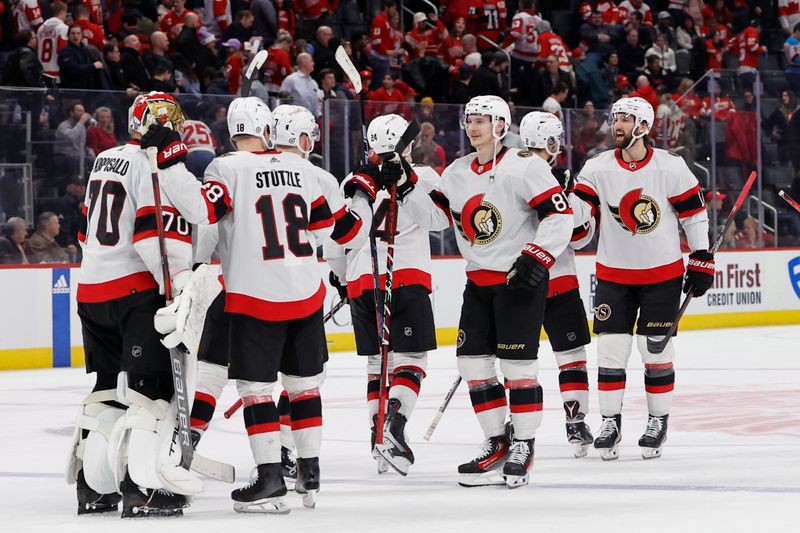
139, 502
288, 467
654, 437
579, 436
609, 437
484, 470
517, 467
395, 449
383, 466
90, 502
262, 494
308, 480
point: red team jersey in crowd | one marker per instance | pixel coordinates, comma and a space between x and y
118, 234
691, 104
550, 44
641, 205
451, 49
430, 37
287, 20
92, 33
95, 11
197, 136
218, 15
487, 18
381, 102
723, 107
747, 45
626, 8
524, 36
170, 20
609, 11
277, 66
789, 13
28, 15
52, 37
383, 36
714, 56
313, 9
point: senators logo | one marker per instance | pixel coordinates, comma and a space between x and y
479, 222
637, 212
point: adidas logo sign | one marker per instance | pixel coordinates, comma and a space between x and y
274, 160
61, 286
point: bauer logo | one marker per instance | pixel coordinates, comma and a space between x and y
61, 286
794, 275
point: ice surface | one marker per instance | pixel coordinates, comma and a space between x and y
731, 463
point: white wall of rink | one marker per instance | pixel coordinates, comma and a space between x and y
40, 327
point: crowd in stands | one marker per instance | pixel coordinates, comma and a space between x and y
555, 55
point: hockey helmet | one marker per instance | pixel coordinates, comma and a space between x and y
491, 106
291, 122
251, 116
637, 107
543, 130
384, 132
155, 108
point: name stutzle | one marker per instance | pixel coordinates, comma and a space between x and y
277, 178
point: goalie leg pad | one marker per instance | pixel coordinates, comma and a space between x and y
525, 396
487, 395
659, 375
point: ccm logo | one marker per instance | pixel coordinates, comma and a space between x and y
172, 150
543, 257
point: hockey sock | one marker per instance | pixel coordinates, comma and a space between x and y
211, 379
373, 391
306, 413
488, 399
202, 411
573, 380
263, 429
659, 382
286, 421
107, 381
611, 389
525, 403
407, 380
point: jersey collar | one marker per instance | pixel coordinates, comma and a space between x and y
267, 152
477, 168
633, 166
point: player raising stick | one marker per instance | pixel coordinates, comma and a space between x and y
644, 196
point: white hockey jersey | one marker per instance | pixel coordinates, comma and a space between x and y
118, 233
523, 27
640, 205
523, 207
197, 136
272, 209
51, 37
28, 15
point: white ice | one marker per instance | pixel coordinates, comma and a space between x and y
731, 463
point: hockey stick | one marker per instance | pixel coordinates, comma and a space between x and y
252, 69
442, 408
335, 309
656, 347
790, 200
177, 355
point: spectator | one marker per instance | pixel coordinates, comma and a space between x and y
42, 246
715, 50
599, 37
217, 16
752, 236
327, 82
723, 105
215, 83
459, 93
93, 34
664, 53
686, 34
659, 78
789, 16
323, 56
427, 132
313, 15
749, 49
425, 38
69, 209
627, 7
470, 45
234, 64
70, 145
714, 202
609, 12
100, 136
265, 20
242, 28
186, 41
552, 44
631, 55
486, 79
23, 68
278, 64
777, 125
157, 55
451, 47
78, 71
611, 70
546, 80
646, 91
287, 20
589, 81
302, 86
162, 81
526, 47
171, 22
28, 15
12, 243
664, 27
209, 53
552, 103
388, 99
487, 20
791, 52
385, 44
52, 37
185, 76
749, 101
116, 75
687, 100
634, 22
132, 64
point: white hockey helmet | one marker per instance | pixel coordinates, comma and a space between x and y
491, 106
155, 108
291, 122
637, 107
251, 116
543, 130
384, 132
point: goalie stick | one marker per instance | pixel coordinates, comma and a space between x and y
252, 70
657, 346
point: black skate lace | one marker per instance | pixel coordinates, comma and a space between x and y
609, 427
654, 427
519, 452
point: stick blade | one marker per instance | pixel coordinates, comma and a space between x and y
349, 69
257, 62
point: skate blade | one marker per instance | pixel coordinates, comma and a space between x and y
580, 449
382, 465
514, 482
651, 453
150, 512
89, 508
310, 498
398, 464
486, 479
290, 483
609, 454
263, 506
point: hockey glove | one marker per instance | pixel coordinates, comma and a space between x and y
365, 178
397, 170
336, 284
564, 178
171, 149
699, 273
531, 267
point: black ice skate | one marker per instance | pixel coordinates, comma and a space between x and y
654, 437
518, 465
140, 502
90, 502
609, 437
578, 432
395, 449
262, 494
288, 467
483, 470
383, 466
308, 480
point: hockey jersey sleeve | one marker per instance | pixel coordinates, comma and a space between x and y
544, 195
584, 199
686, 199
350, 223
199, 203
204, 242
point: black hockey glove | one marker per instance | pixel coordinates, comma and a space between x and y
397, 170
171, 149
366, 178
564, 178
336, 284
699, 273
531, 267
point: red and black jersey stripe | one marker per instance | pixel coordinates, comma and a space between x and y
688, 203
202, 410
83, 223
218, 201
175, 226
580, 232
347, 225
320, 216
373, 389
261, 417
441, 201
551, 202
589, 196
306, 411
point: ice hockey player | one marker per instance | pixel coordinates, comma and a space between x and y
271, 202
413, 333
644, 196
120, 289
565, 317
513, 220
